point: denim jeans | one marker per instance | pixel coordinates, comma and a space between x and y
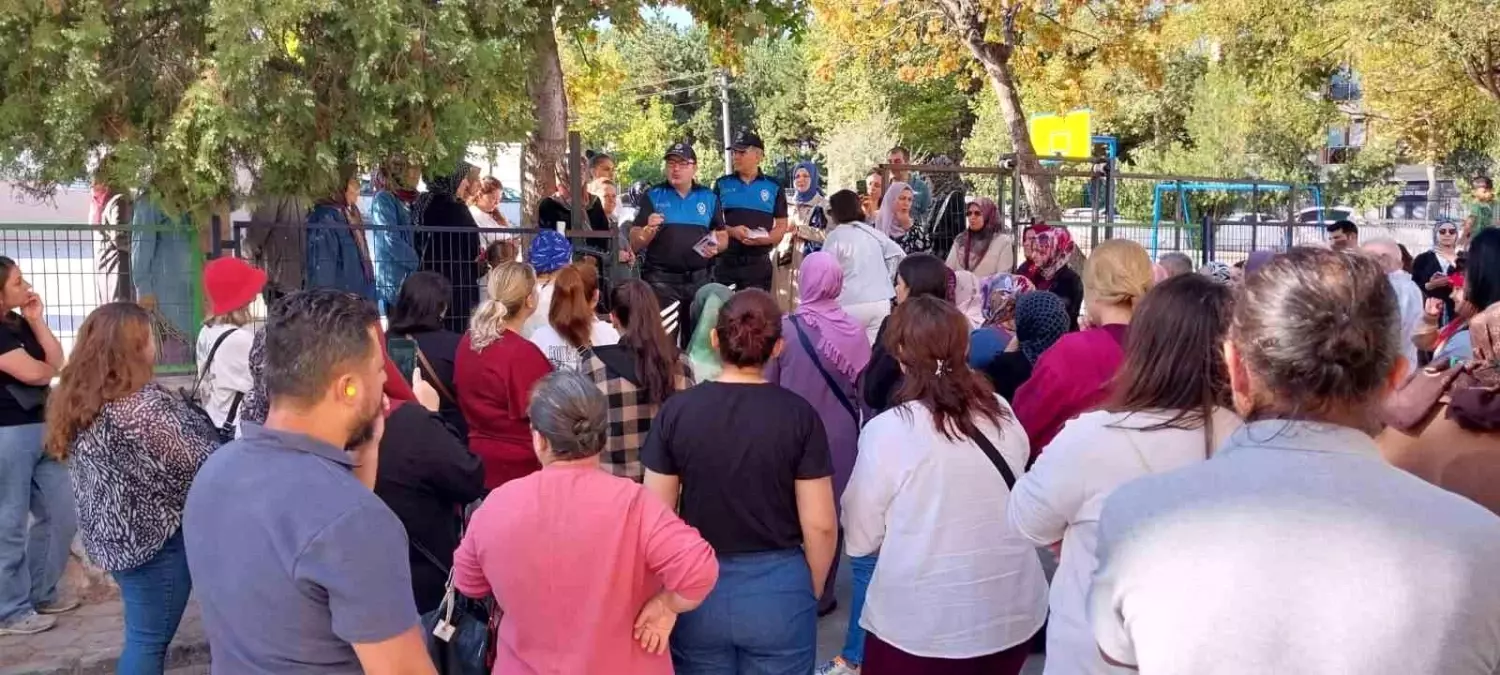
155, 595
761, 619
34, 488
854, 640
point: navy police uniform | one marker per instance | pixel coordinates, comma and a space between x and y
674, 270
756, 204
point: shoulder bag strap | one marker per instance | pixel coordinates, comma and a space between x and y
828, 378
430, 557
209, 362
995, 458
432, 375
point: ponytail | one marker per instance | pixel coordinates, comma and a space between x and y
510, 285
573, 295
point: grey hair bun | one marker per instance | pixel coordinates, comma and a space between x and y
571, 413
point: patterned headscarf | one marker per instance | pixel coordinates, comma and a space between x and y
446, 186
968, 296
387, 178
1053, 247
550, 252
1000, 293
1041, 320
1217, 271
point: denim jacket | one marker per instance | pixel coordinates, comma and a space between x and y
334, 259
391, 247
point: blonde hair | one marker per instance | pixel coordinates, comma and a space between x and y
510, 285
238, 317
1118, 272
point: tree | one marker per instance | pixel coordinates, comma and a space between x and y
1005, 40
732, 23
184, 96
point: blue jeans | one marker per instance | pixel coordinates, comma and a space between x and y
33, 487
155, 595
854, 640
760, 619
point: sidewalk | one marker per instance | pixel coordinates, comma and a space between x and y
88, 641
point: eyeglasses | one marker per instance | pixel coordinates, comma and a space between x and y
1447, 230
975, 213
679, 163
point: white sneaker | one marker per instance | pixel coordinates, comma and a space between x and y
838, 666
30, 624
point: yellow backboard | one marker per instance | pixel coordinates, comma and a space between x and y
1069, 135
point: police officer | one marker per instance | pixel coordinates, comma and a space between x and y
672, 224
755, 212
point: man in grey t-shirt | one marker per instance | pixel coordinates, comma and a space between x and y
1296, 549
299, 567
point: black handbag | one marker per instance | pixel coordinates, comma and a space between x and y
457, 633
226, 430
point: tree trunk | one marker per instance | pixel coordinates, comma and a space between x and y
1039, 193
548, 144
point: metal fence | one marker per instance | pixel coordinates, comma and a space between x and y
374, 261
77, 268
1100, 204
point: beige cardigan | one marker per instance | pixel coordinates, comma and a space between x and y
999, 258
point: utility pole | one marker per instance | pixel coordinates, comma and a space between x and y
724, 105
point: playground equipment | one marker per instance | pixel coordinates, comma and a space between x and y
1255, 188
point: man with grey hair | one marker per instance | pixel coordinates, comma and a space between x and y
1176, 263
1408, 295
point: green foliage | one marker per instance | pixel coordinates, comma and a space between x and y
855, 147
182, 96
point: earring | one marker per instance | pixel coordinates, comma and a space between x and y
350, 391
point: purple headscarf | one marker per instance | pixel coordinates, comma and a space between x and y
842, 340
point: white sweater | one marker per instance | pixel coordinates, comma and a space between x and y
1062, 495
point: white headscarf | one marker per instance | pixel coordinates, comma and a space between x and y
885, 221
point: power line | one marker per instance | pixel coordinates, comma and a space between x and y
670, 92
670, 80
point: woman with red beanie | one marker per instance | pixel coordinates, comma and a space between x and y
230, 285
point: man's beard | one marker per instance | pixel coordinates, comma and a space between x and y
363, 433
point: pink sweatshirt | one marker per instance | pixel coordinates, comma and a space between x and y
571, 554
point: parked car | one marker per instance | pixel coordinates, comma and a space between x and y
1327, 215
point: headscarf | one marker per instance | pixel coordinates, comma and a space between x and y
885, 220
387, 178
446, 186
1257, 260
814, 188
1053, 246
1000, 293
967, 297
702, 356
1218, 271
842, 340
974, 245
1041, 320
550, 252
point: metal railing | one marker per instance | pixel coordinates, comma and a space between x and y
76, 268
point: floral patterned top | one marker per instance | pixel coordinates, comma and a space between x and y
132, 468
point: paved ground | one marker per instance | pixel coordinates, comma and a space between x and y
87, 642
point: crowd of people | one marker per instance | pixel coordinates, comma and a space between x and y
1280, 467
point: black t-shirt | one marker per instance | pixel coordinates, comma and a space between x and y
15, 334
739, 450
